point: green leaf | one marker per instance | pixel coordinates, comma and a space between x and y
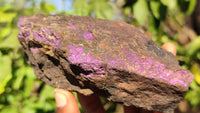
20, 73
171, 4
194, 86
154, 5
11, 41
30, 105
195, 69
45, 8
5, 72
102, 9
4, 32
198, 55
30, 78
27, 109
4, 83
46, 95
6, 16
10, 109
47, 92
5, 8
127, 11
153, 25
191, 7
193, 48
50, 7
140, 11
193, 94
81, 7
158, 10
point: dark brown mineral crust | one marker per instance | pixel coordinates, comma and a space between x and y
109, 58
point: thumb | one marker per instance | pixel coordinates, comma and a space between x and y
65, 102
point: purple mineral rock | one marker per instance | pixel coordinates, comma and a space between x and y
109, 58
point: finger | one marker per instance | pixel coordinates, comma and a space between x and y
91, 104
170, 47
65, 102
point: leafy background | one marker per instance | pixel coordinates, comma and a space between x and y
176, 21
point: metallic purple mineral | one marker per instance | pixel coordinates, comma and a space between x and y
109, 58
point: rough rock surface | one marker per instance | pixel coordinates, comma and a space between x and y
109, 58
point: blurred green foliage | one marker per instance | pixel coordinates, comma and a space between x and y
20, 91
163, 20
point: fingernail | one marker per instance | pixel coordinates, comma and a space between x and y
61, 100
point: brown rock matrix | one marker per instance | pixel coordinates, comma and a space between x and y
109, 58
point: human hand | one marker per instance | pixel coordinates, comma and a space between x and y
66, 102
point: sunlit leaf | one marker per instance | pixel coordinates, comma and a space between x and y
5, 72
171, 4
198, 55
192, 4
4, 32
155, 5
195, 69
140, 11
5, 8
102, 9
30, 78
11, 41
47, 92
10, 109
193, 48
153, 25
127, 11
28, 109
30, 72
81, 7
50, 7
20, 73
193, 95
6, 16
30, 105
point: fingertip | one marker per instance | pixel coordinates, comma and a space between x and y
170, 47
65, 102
61, 99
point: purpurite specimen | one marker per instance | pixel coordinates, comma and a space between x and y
109, 58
